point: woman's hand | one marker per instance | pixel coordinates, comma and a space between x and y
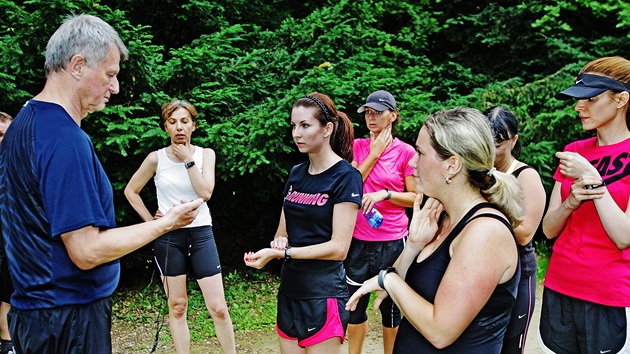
381, 142
583, 189
424, 223
279, 243
587, 183
368, 286
575, 165
369, 199
259, 259
182, 152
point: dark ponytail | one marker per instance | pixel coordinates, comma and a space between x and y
504, 127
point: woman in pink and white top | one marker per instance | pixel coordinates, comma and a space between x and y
388, 186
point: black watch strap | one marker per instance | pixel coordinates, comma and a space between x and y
287, 254
189, 164
382, 274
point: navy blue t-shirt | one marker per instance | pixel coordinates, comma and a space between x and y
308, 210
52, 182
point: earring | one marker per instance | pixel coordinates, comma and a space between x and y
448, 180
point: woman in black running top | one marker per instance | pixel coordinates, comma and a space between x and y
321, 200
458, 274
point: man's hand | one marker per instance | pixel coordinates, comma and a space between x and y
183, 214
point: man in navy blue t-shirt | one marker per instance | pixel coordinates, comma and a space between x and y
57, 208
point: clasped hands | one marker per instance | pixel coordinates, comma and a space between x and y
587, 183
261, 258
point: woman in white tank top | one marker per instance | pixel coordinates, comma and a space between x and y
182, 172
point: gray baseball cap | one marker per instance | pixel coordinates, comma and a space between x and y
379, 100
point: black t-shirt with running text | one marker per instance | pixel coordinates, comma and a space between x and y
308, 209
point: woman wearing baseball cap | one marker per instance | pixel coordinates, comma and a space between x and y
586, 300
388, 186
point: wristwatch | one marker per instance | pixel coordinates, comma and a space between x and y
287, 254
389, 194
189, 164
382, 274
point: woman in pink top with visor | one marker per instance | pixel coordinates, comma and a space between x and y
586, 300
388, 186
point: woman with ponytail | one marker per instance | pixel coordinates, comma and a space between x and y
321, 200
508, 148
457, 277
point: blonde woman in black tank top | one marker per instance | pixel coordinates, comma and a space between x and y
474, 289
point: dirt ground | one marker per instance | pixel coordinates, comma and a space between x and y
139, 338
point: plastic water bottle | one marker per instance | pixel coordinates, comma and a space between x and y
374, 218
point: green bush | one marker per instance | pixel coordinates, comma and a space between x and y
243, 64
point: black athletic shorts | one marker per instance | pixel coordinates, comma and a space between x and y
6, 286
311, 321
73, 329
364, 260
188, 248
569, 325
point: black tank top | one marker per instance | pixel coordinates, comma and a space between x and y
485, 333
526, 253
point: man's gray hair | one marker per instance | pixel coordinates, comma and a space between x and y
86, 35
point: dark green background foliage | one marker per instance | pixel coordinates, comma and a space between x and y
244, 62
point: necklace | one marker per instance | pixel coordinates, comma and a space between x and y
451, 225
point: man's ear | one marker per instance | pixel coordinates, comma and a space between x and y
77, 66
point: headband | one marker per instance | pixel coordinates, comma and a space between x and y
321, 105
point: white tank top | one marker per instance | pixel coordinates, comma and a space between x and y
173, 184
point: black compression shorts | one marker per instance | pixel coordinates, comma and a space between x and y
188, 248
